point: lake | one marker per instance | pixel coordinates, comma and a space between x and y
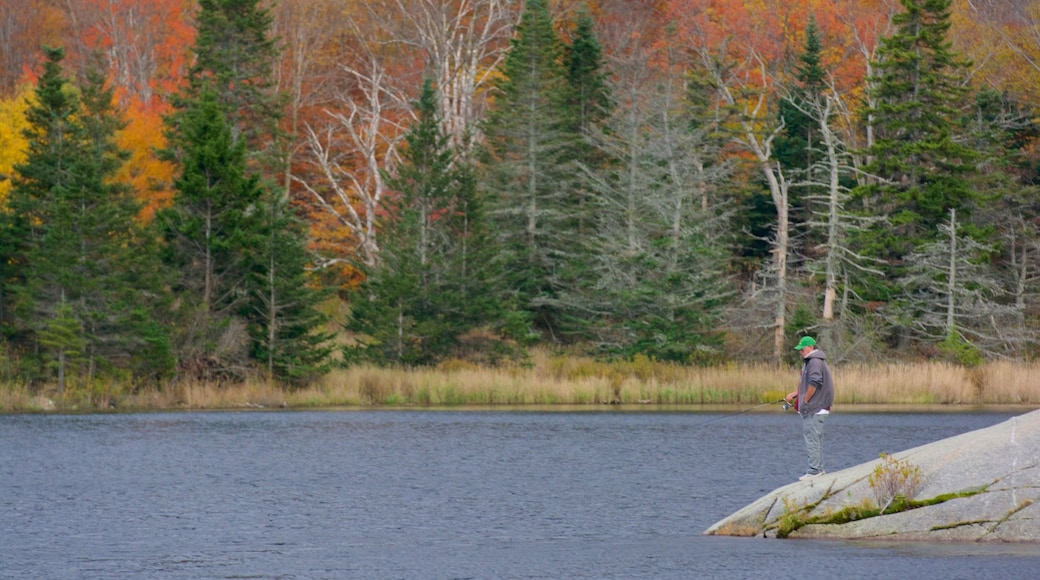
443, 494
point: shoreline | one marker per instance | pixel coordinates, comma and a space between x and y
725, 408
563, 383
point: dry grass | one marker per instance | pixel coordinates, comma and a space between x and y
550, 380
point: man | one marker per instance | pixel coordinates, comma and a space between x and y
815, 395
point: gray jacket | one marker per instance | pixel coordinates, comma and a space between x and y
815, 372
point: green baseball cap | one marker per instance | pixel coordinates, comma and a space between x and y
806, 341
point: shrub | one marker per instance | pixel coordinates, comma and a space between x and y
894, 479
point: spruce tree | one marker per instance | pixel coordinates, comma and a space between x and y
589, 96
920, 167
211, 230
239, 248
86, 267
235, 57
799, 147
286, 327
531, 145
795, 147
429, 286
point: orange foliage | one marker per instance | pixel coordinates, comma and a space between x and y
150, 177
332, 46
25, 26
144, 43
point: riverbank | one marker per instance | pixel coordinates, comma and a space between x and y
561, 381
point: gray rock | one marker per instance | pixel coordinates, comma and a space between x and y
984, 484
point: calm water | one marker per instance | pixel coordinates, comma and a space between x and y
441, 494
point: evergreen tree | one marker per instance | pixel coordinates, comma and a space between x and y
795, 147
211, 230
590, 106
285, 324
920, 166
235, 57
589, 98
86, 266
530, 176
429, 287
657, 263
951, 298
240, 251
798, 147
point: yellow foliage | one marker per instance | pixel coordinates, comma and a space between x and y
13, 144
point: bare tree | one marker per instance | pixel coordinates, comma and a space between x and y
458, 43
950, 293
463, 42
829, 196
747, 90
349, 155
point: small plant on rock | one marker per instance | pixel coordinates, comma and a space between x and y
895, 481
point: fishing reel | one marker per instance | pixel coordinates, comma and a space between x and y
788, 405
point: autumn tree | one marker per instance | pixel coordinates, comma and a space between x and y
12, 138
143, 44
746, 81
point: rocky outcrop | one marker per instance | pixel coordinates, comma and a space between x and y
980, 486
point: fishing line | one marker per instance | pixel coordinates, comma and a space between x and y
729, 415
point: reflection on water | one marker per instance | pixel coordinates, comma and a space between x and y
440, 494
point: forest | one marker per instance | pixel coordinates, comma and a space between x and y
218, 190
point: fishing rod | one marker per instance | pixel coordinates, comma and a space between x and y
786, 405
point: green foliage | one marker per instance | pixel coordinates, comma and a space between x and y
795, 148
431, 284
922, 167
531, 144
285, 325
235, 57
961, 351
208, 229
76, 257
64, 340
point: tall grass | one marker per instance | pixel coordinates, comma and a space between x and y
552, 380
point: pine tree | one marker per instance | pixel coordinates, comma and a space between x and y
531, 144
